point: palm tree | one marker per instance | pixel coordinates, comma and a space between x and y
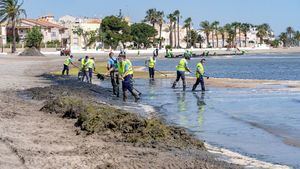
10, 12
171, 19
177, 15
231, 33
174, 31
236, 26
222, 31
283, 37
214, 26
200, 40
160, 21
187, 26
245, 28
290, 31
297, 37
206, 28
151, 16
263, 30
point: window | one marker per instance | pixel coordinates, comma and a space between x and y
53, 34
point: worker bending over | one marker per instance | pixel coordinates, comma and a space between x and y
67, 63
182, 67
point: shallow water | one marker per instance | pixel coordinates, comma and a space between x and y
260, 124
268, 67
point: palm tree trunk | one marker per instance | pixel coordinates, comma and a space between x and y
217, 39
245, 39
212, 39
240, 38
207, 39
171, 34
223, 41
175, 35
160, 30
187, 37
178, 38
13, 49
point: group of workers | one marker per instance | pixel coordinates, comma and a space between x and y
120, 68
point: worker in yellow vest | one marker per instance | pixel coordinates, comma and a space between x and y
200, 75
67, 63
84, 68
181, 68
125, 70
151, 62
91, 68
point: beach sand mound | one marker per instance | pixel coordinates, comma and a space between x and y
31, 52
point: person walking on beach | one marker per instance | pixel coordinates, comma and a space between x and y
91, 68
126, 75
67, 63
84, 68
200, 75
182, 67
151, 62
112, 67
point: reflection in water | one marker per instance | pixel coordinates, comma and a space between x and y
152, 90
201, 107
182, 108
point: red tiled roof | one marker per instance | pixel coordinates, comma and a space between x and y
43, 23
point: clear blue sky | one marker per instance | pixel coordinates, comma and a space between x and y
278, 13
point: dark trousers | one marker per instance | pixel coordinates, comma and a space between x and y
65, 69
127, 84
114, 78
199, 80
90, 75
180, 75
85, 75
151, 73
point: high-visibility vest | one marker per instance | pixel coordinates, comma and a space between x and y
181, 65
130, 68
84, 64
199, 68
68, 61
121, 67
152, 62
91, 64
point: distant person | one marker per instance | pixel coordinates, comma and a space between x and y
67, 63
91, 68
151, 62
112, 67
84, 68
126, 74
200, 75
181, 68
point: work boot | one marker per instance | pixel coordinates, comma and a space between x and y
174, 85
184, 87
136, 97
194, 88
124, 96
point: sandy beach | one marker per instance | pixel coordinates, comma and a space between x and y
33, 139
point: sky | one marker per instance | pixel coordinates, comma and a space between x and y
278, 13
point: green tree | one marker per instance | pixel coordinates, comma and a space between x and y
283, 37
160, 21
200, 40
115, 30
151, 16
172, 19
275, 43
214, 27
193, 38
10, 12
231, 33
34, 38
206, 28
177, 15
187, 26
245, 28
263, 31
142, 33
297, 37
89, 37
290, 31
222, 31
